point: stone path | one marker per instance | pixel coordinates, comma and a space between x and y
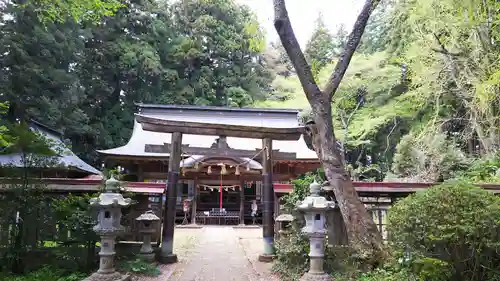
218, 253
218, 256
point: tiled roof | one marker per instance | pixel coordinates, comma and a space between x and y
65, 157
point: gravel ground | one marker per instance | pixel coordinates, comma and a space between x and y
251, 242
184, 243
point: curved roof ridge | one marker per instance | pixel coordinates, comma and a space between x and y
220, 108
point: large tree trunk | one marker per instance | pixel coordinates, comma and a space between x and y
363, 234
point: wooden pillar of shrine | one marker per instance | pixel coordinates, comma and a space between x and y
242, 200
166, 254
195, 200
267, 201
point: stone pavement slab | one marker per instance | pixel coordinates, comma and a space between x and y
218, 256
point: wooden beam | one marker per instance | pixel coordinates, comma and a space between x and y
230, 171
228, 152
248, 177
196, 128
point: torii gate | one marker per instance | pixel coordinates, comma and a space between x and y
177, 129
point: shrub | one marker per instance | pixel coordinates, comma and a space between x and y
140, 266
292, 258
453, 227
47, 274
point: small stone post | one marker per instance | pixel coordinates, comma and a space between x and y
314, 208
109, 204
147, 222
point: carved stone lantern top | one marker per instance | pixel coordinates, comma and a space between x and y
111, 185
285, 218
315, 202
109, 198
147, 222
314, 208
148, 216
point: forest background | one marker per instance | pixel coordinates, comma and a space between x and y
420, 100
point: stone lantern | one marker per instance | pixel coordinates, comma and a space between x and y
147, 226
285, 221
315, 208
109, 204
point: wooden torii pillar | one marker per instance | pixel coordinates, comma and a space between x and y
166, 254
267, 201
177, 128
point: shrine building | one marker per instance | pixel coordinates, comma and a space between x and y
216, 172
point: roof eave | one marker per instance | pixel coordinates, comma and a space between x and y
218, 108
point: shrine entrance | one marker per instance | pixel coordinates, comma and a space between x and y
226, 198
252, 159
218, 205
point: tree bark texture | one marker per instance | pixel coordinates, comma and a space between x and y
363, 234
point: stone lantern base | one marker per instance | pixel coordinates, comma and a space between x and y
315, 277
149, 257
108, 277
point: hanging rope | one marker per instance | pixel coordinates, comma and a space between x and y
213, 187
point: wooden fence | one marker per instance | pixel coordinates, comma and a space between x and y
44, 230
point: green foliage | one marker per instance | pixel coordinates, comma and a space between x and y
84, 79
24, 206
321, 48
47, 274
485, 170
139, 266
430, 158
76, 240
292, 250
430, 69
380, 274
300, 190
452, 50
276, 60
79, 10
450, 227
77, 216
21, 139
291, 256
432, 269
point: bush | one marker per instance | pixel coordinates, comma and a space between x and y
292, 250
292, 258
484, 170
140, 266
47, 274
449, 231
381, 274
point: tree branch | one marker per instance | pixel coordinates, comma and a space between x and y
350, 48
289, 41
445, 52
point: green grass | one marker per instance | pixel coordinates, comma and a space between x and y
45, 274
